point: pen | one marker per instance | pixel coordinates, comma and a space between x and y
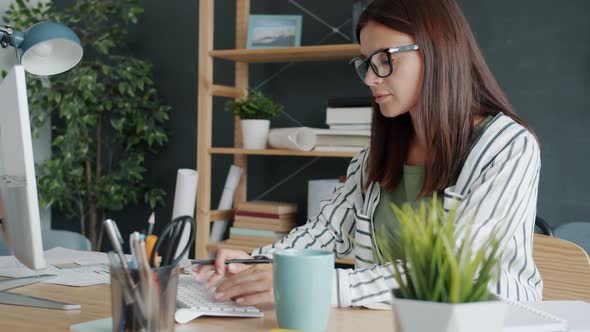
234, 261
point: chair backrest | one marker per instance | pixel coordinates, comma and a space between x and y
564, 267
55, 238
577, 232
65, 239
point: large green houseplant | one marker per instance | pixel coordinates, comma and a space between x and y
441, 269
106, 114
255, 112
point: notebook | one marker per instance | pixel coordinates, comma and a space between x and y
547, 316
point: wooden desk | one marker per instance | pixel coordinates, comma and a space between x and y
95, 303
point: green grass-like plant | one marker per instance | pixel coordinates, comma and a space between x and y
255, 106
434, 259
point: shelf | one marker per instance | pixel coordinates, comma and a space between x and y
282, 152
290, 54
249, 249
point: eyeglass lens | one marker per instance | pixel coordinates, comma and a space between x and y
379, 62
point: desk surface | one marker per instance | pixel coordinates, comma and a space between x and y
95, 303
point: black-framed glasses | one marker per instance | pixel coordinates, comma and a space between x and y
379, 61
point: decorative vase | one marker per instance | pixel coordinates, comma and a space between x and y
254, 133
425, 316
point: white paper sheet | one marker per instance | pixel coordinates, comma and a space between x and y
72, 267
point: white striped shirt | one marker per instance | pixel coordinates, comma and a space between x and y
496, 190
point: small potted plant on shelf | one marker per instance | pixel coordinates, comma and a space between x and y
442, 271
255, 112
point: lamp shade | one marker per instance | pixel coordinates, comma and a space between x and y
50, 48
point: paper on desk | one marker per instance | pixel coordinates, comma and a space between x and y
72, 267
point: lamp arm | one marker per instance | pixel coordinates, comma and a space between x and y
10, 36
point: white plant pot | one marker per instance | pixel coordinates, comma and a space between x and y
424, 316
254, 133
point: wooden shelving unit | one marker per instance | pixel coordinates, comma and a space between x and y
281, 152
290, 54
207, 90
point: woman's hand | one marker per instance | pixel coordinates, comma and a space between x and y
250, 286
246, 284
212, 274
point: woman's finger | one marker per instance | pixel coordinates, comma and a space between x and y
213, 280
224, 254
203, 271
242, 289
255, 279
259, 299
250, 274
235, 268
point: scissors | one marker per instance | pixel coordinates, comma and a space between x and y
169, 241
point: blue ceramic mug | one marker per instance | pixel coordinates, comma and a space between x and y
303, 288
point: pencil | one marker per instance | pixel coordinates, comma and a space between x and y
234, 261
151, 222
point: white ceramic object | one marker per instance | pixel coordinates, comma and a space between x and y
254, 133
424, 316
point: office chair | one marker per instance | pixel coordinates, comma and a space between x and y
56, 238
543, 226
564, 267
577, 232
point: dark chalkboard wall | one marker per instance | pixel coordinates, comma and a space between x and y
539, 51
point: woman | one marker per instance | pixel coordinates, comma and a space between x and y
441, 124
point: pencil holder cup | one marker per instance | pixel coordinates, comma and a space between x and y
150, 306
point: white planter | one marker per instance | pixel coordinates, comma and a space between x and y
254, 133
423, 316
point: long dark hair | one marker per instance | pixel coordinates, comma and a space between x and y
458, 85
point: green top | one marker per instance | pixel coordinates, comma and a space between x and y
408, 189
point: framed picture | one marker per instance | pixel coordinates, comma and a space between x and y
266, 31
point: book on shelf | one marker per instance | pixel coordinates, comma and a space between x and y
288, 218
254, 244
275, 227
255, 232
333, 137
276, 208
338, 148
349, 115
350, 126
257, 239
264, 215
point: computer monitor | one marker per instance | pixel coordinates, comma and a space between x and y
21, 226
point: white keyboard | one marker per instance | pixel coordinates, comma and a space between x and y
194, 300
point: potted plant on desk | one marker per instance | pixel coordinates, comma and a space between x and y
442, 273
255, 112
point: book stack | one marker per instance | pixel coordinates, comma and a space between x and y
349, 113
260, 223
349, 120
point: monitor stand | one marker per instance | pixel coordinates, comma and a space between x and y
30, 301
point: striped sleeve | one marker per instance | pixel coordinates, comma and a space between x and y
501, 198
361, 287
333, 228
